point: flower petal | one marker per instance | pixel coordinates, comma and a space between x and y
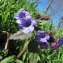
60, 41
16, 16
28, 17
47, 37
27, 13
21, 10
28, 29
34, 23
19, 21
44, 45
54, 46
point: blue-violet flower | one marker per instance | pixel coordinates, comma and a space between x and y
24, 20
60, 41
22, 14
44, 45
42, 35
27, 25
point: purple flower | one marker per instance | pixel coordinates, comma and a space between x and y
44, 45
27, 25
60, 41
24, 21
22, 14
54, 46
42, 35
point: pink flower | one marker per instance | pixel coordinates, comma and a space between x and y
54, 46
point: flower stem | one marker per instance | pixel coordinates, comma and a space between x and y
23, 50
6, 44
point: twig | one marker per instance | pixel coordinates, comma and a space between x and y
6, 44
48, 6
59, 24
19, 55
5, 32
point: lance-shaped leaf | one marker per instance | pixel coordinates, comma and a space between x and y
8, 59
18, 61
19, 35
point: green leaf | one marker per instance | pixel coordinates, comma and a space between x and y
34, 58
0, 57
19, 35
18, 61
24, 56
62, 58
8, 59
42, 22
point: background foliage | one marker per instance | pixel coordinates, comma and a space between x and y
33, 54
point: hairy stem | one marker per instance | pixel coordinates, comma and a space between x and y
23, 50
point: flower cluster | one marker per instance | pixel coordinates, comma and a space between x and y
24, 20
43, 38
57, 44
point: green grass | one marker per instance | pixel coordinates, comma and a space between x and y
33, 54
